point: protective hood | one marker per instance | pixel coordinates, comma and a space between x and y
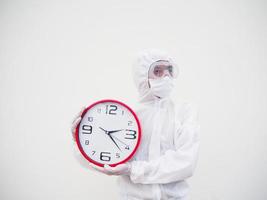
140, 71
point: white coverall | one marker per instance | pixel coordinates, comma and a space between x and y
168, 150
159, 168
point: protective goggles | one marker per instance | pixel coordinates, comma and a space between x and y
162, 68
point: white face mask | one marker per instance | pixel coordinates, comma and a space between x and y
161, 87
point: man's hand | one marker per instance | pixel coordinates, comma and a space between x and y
122, 169
75, 122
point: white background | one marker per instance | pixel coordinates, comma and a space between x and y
56, 56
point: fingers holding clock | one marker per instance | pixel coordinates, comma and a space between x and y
76, 121
96, 168
73, 128
79, 114
122, 169
100, 169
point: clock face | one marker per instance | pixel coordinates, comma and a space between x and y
109, 133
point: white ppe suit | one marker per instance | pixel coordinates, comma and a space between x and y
168, 151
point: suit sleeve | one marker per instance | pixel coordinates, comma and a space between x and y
174, 165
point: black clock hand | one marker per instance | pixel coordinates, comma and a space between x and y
114, 142
114, 131
120, 141
108, 133
103, 130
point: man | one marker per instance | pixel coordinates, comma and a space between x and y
168, 151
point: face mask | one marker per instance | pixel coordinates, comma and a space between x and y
161, 87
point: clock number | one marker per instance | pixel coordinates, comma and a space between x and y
131, 134
90, 119
86, 142
111, 110
87, 129
104, 156
118, 155
127, 147
130, 123
93, 152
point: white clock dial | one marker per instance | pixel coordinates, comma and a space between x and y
109, 133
